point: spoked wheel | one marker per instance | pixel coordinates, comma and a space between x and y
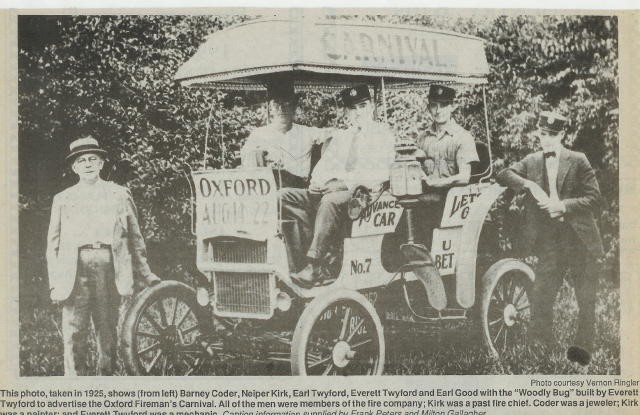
338, 334
162, 330
506, 312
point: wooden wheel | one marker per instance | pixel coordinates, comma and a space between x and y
338, 334
506, 312
162, 330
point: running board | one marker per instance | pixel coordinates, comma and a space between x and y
438, 315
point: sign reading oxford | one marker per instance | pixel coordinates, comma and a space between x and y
231, 201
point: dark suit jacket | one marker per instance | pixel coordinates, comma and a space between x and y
577, 188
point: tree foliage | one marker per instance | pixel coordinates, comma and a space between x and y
112, 77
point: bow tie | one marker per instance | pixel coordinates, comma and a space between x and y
548, 154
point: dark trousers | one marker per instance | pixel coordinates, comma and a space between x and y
319, 218
94, 298
559, 249
426, 216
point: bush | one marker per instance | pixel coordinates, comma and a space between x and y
112, 77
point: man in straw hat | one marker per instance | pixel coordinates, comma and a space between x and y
560, 229
94, 247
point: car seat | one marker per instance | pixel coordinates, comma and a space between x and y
480, 169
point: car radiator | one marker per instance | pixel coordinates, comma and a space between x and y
241, 294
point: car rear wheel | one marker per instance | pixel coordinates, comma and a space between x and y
506, 310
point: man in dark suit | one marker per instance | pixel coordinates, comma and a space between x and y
560, 229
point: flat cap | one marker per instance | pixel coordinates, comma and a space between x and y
281, 90
552, 121
441, 93
355, 95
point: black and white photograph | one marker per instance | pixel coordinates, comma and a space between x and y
318, 192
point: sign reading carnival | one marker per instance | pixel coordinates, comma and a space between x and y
410, 48
324, 47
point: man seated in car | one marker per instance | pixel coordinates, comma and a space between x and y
449, 151
283, 143
361, 155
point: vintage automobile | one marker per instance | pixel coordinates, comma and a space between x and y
338, 328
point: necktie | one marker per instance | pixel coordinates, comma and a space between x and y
551, 166
352, 157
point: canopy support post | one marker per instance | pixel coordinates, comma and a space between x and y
266, 101
206, 136
486, 123
223, 146
384, 99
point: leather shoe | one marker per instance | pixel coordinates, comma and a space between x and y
579, 355
313, 274
151, 280
307, 277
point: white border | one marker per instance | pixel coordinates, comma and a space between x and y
501, 4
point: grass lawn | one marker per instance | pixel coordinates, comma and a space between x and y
447, 349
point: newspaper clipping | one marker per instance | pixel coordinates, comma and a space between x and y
242, 211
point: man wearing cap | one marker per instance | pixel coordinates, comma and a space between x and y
448, 151
361, 155
449, 148
94, 248
560, 229
283, 143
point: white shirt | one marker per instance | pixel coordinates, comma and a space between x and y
93, 209
292, 149
372, 149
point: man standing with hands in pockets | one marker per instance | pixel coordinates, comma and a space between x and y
94, 247
560, 229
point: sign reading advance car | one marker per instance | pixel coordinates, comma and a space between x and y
235, 200
382, 216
